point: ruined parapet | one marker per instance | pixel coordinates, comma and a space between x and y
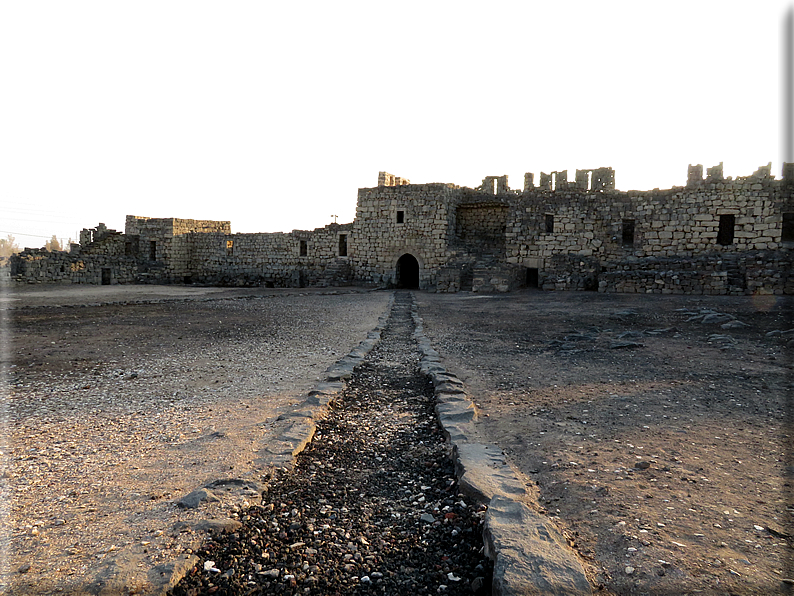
582, 179
529, 181
560, 180
764, 171
788, 174
100, 232
545, 181
495, 185
603, 179
694, 175
386, 179
715, 174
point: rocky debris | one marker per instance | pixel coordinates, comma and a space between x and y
371, 504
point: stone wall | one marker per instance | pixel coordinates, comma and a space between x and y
105, 260
273, 259
714, 235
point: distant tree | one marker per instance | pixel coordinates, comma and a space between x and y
8, 246
53, 244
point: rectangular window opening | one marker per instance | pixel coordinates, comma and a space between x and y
589, 180
549, 223
229, 248
401, 217
152, 250
787, 234
304, 248
628, 232
725, 233
342, 245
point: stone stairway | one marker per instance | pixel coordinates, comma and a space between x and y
337, 273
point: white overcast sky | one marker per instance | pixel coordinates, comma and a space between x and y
272, 114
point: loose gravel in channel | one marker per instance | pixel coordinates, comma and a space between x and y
371, 505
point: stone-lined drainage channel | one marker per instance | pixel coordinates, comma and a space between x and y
372, 503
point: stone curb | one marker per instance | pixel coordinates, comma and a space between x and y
530, 555
293, 430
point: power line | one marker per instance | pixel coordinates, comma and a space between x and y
24, 234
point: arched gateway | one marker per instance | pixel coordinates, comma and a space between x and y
407, 272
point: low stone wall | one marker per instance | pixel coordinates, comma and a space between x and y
42, 266
756, 272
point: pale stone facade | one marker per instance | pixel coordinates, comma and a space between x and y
712, 236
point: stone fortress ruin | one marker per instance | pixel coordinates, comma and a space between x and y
715, 235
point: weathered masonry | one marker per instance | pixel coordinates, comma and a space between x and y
715, 235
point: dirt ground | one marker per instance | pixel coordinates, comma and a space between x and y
656, 438
653, 436
125, 399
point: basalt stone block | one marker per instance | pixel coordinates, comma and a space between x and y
484, 473
531, 557
218, 526
328, 388
451, 412
195, 498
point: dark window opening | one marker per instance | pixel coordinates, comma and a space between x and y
188, 280
725, 233
229, 248
304, 248
342, 245
401, 217
787, 234
628, 232
549, 223
152, 250
532, 277
407, 272
106, 276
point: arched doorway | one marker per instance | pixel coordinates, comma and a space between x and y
407, 272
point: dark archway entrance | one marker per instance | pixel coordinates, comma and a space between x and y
408, 272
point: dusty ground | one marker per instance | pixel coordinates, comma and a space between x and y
665, 460
119, 408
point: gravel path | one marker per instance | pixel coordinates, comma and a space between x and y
371, 506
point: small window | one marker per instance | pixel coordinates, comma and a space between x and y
628, 232
401, 217
342, 245
152, 250
549, 223
787, 234
725, 233
304, 248
229, 248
